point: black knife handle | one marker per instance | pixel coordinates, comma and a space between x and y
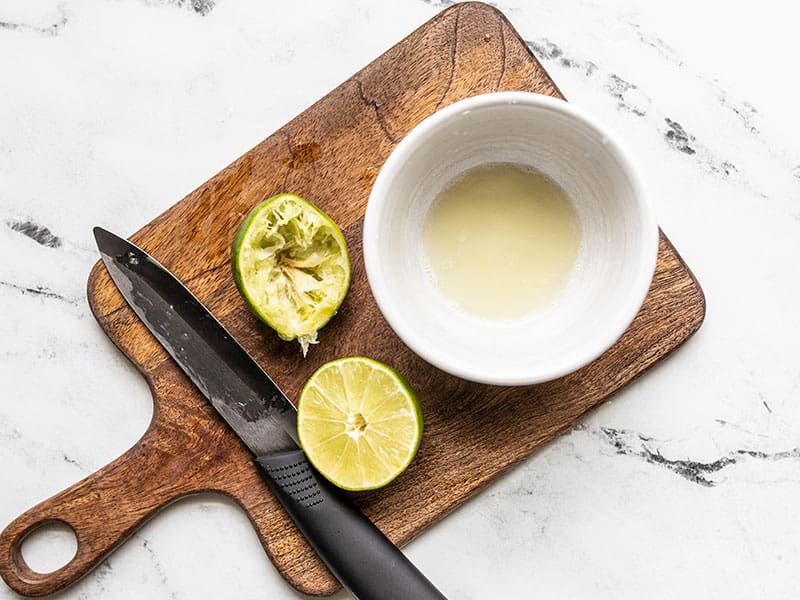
363, 559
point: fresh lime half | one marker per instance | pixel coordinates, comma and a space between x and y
359, 423
290, 263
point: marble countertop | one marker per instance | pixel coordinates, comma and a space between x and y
686, 484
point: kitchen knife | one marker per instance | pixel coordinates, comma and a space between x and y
356, 552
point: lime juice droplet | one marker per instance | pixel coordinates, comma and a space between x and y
501, 240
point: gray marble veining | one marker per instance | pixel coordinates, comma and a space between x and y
686, 484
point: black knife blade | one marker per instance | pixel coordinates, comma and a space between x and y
356, 552
238, 388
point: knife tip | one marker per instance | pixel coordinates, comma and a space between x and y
103, 238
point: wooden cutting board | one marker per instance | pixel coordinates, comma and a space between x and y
331, 154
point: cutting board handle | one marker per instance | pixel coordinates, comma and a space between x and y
102, 510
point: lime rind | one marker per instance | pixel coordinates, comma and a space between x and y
359, 423
291, 264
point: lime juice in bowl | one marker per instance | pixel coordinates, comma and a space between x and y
501, 240
499, 306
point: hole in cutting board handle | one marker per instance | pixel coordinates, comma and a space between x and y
49, 547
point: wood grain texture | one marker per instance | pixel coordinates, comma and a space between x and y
331, 154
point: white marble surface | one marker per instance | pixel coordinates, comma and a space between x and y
687, 484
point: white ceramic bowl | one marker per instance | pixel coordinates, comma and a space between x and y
615, 263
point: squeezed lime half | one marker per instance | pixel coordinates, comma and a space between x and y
291, 265
359, 423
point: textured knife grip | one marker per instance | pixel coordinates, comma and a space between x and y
363, 559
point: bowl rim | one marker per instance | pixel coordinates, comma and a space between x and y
583, 355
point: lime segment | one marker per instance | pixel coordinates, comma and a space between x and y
291, 264
359, 423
